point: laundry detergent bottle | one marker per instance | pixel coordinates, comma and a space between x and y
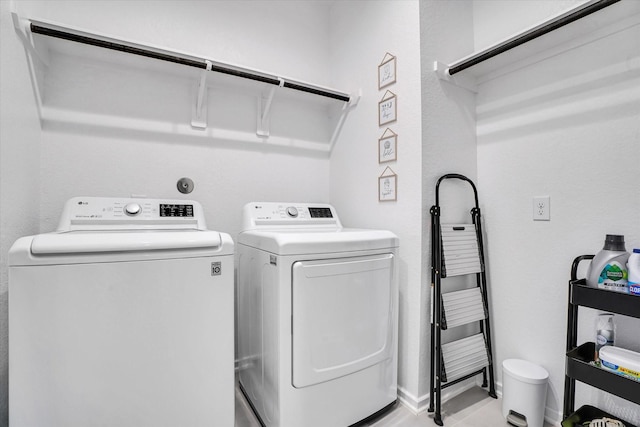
608, 269
634, 272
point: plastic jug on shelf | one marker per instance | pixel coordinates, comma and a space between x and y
608, 269
634, 272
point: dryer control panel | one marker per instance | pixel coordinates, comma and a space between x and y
95, 213
271, 214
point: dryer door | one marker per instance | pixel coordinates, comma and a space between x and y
342, 316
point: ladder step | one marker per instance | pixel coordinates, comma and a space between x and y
462, 307
460, 253
464, 357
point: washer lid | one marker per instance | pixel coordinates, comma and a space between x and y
83, 242
525, 371
314, 241
116, 246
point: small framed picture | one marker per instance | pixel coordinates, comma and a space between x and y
387, 71
387, 108
387, 146
387, 186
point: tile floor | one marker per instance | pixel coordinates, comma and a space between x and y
473, 408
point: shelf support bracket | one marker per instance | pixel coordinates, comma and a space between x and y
348, 106
264, 110
199, 110
442, 71
21, 26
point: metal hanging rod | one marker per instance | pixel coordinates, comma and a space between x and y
121, 46
547, 27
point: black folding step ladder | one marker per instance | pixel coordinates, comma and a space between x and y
456, 250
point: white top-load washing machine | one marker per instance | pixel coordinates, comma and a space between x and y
317, 316
123, 317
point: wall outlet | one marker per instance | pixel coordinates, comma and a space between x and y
541, 208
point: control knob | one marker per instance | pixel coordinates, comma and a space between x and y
292, 212
132, 209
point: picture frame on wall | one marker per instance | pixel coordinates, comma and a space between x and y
388, 186
387, 71
388, 147
387, 108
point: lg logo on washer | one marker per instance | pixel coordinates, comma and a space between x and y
216, 268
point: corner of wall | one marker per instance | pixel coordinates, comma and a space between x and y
448, 120
19, 166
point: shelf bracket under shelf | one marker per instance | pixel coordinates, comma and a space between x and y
264, 110
32, 54
199, 110
346, 107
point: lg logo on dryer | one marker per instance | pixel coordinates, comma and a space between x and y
216, 268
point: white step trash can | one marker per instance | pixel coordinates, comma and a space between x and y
524, 392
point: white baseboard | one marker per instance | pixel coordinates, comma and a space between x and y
552, 416
418, 405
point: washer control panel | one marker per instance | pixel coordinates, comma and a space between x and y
85, 213
269, 214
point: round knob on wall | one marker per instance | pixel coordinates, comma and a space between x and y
132, 209
185, 185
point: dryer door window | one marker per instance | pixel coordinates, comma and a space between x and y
342, 316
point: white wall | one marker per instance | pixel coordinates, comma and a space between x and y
279, 36
496, 20
567, 127
449, 144
108, 156
19, 162
361, 34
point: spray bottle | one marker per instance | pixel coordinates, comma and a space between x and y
605, 332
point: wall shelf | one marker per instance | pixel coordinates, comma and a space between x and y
580, 367
45, 40
585, 23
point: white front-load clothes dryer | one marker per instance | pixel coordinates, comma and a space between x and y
123, 317
317, 316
